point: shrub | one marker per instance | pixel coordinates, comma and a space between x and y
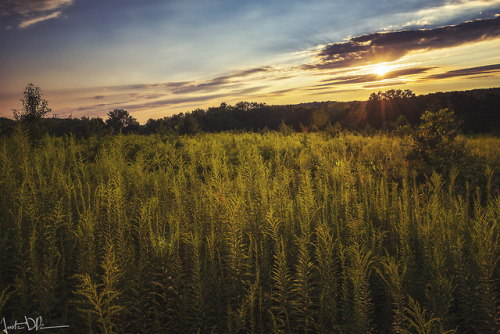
436, 146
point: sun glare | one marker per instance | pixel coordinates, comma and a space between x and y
381, 69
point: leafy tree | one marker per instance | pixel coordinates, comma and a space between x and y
33, 110
189, 125
384, 107
435, 144
34, 107
120, 120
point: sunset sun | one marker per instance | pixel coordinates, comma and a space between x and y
381, 69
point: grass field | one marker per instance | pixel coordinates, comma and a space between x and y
247, 233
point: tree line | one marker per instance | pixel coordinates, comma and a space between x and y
393, 110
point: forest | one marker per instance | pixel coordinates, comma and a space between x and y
387, 226
385, 111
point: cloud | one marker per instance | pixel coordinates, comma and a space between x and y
164, 84
30, 12
142, 101
363, 78
449, 10
27, 8
210, 85
182, 100
336, 91
30, 22
390, 46
466, 72
145, 96
281, 92
220, 82
249, 90
190, 99
396, 82
407, 71
246, 73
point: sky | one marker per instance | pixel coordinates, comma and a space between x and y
155, 58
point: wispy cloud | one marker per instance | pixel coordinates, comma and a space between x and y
226, 81
396, 82
479, 70
449, 10
30, 12
281, 92
338, 91
30, 22
364, 78
391, 46
158, 96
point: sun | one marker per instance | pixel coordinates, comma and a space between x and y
381, 69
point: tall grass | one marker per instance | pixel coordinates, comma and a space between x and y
247, 233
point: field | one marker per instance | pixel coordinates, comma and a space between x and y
247, 233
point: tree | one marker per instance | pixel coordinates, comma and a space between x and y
33, 110
120, 120
384, 107
34, 107
435, 145
189, 125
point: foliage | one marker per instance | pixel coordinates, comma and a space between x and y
435, 141
34, 107
383, 108
394, 110
285, 129
245, 233
7, 126
121, 120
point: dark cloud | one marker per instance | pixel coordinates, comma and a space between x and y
466, 72
390, 46
99, 97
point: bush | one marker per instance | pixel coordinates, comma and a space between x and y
436, 146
